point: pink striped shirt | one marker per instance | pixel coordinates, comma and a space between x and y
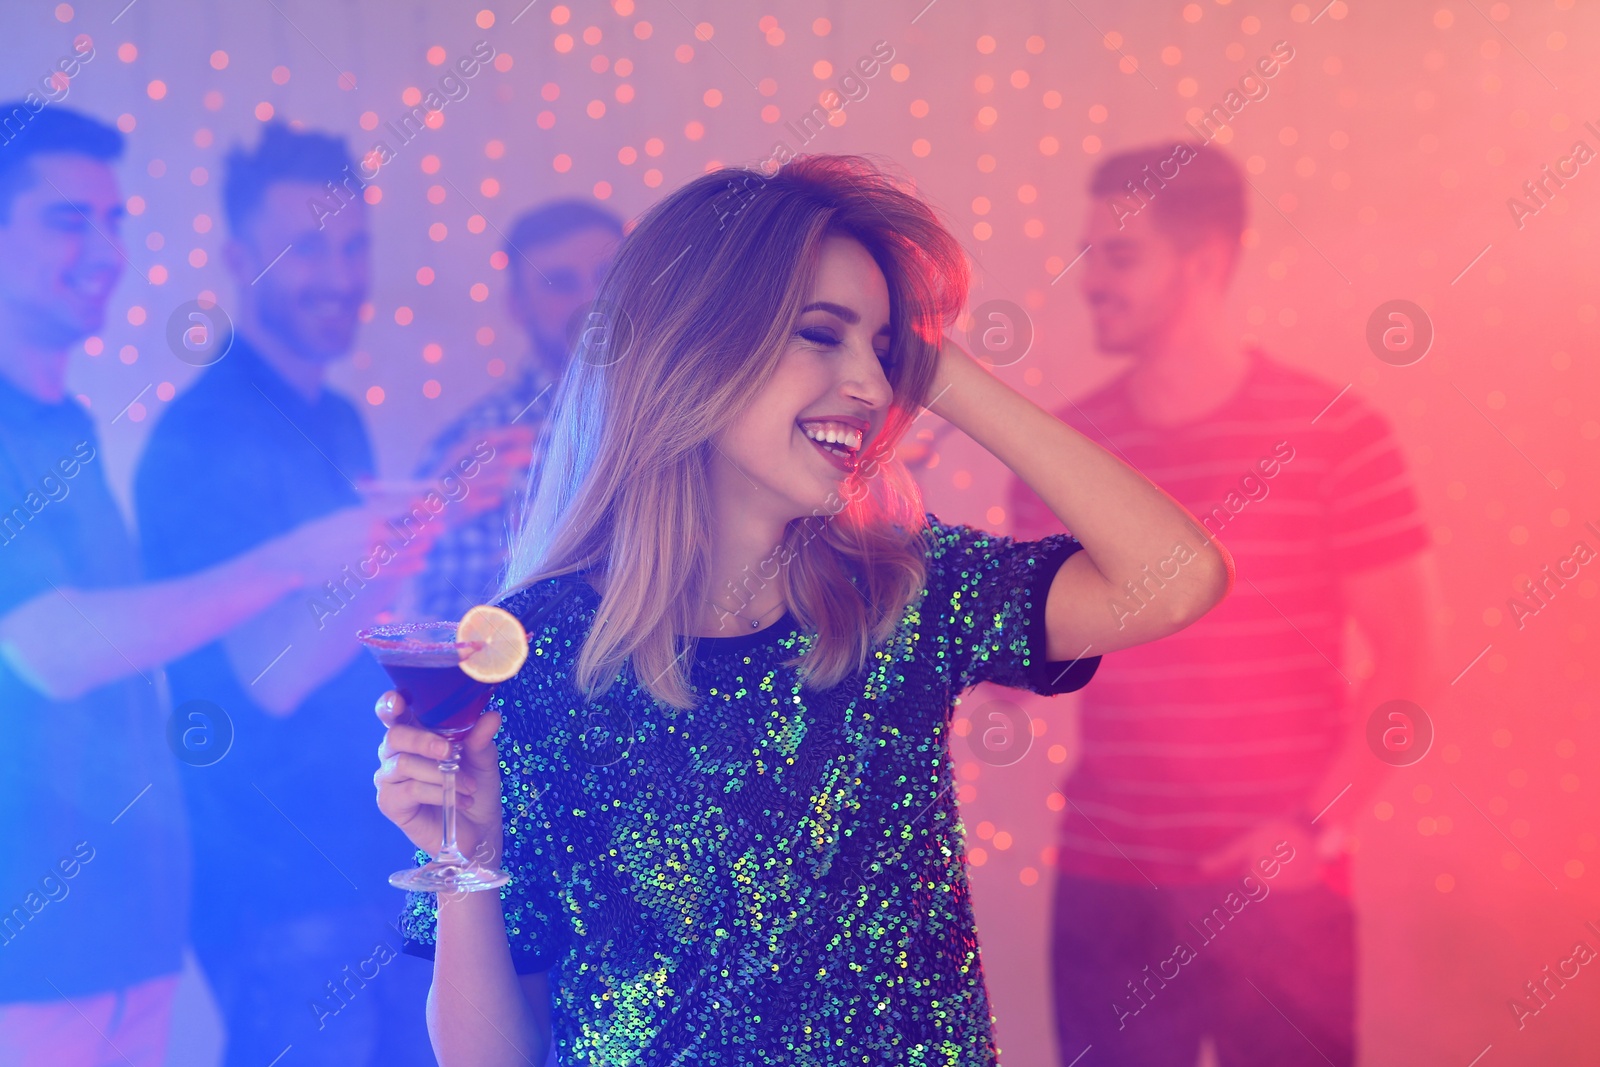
1189, 741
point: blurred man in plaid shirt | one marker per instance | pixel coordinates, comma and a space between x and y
557, 254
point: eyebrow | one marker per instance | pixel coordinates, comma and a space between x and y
839, 311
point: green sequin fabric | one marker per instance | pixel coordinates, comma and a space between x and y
775, 876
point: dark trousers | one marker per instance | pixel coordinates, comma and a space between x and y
328, 988
1141, 974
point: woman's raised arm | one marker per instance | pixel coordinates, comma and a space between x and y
1135, 536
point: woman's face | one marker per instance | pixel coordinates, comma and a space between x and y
796, 448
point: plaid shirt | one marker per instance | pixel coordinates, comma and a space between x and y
466, 563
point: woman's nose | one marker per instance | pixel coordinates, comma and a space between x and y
869, 383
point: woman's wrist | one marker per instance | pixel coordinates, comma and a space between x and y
953, 360
489, 851
467, 903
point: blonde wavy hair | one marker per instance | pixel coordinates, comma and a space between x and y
686, 331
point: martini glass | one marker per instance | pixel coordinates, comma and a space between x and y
424, 661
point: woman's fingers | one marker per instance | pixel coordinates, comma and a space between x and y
478, 745
390, 707
404, 738
400, 801
405, 766
408, 779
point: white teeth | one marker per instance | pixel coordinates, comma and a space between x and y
834, 434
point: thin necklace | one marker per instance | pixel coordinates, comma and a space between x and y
755, 624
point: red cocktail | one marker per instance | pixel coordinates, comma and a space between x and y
425, 661
441, 697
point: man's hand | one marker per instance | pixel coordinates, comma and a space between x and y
1243, 855
317, 550
502, 475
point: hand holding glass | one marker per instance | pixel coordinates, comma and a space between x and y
445, 672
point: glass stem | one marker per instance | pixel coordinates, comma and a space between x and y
448, 852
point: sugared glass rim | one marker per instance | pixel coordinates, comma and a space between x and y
390, 637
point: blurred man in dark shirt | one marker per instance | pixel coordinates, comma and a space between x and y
292, 913
95, 883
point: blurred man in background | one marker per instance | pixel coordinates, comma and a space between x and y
292, 913
558, 254
1203, 886
96, 877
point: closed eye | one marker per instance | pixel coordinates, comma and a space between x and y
823, 336
819, 336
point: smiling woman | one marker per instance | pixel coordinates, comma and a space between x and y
819, 302
723, 791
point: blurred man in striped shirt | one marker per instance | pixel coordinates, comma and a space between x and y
1203, 887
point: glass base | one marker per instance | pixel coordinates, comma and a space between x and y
444, 876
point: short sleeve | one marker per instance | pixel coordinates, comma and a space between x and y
535, 928
198, 504
983, 613
27, 566
1373, 514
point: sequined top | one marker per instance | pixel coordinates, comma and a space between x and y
776, 876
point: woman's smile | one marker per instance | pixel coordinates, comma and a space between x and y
837, 439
